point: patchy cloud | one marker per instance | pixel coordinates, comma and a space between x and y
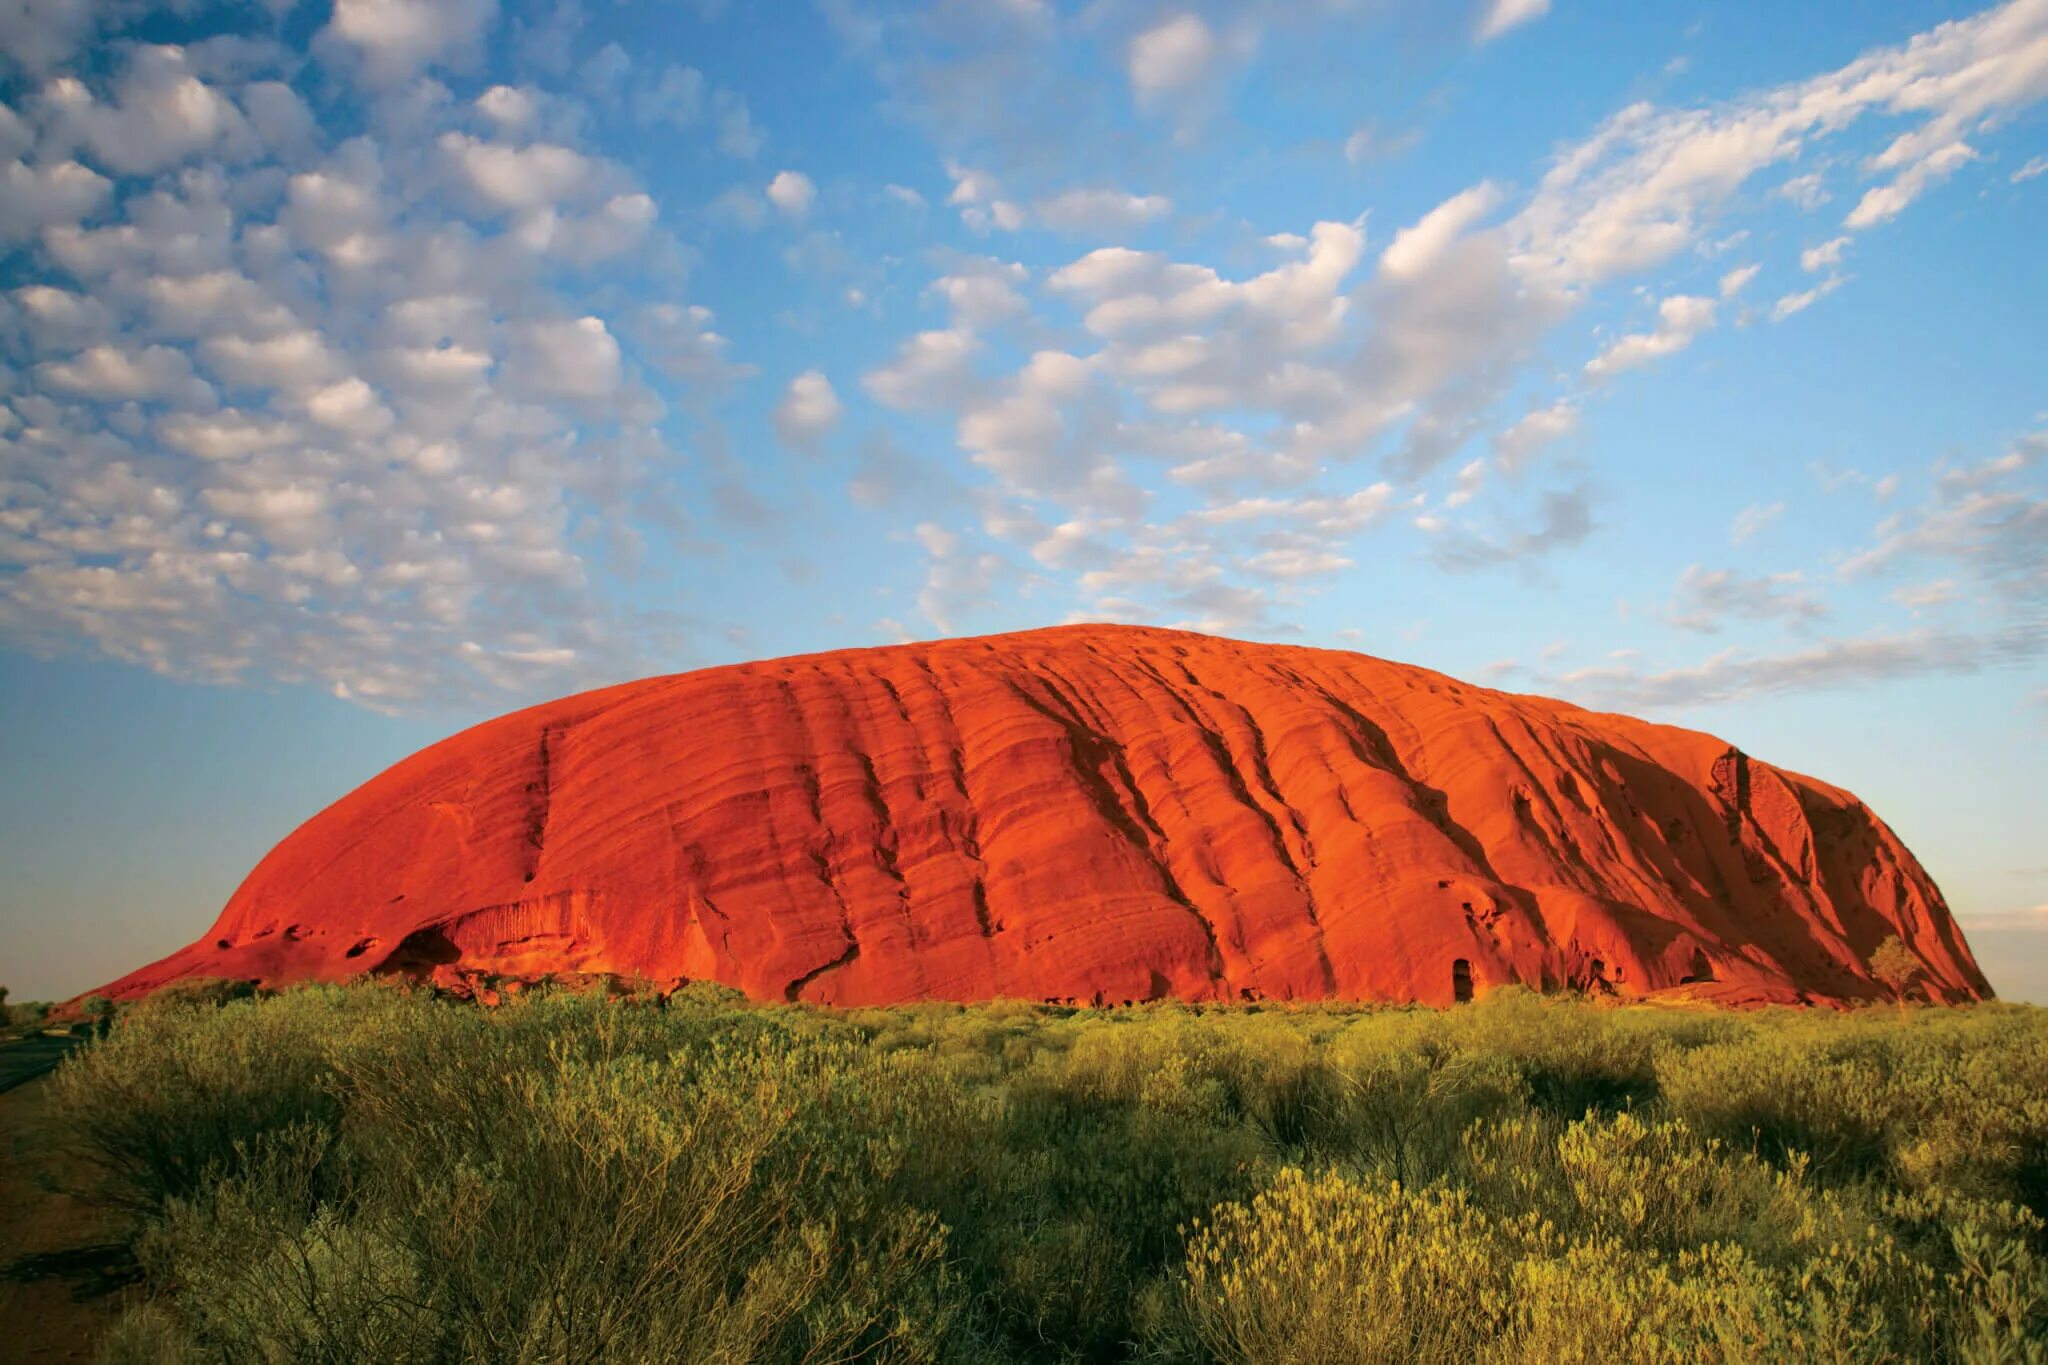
375, 353
1854, 661
1100, 211
792, 192
809, 409
317, 409
1790, 304
394, 39
1752, 520
1172, 57
1500, 16
1680, 318
1988, 519
1707, 599
1564, 519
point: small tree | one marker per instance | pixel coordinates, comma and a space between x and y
1894, 964
98, 1012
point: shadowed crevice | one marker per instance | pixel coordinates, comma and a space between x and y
1092, 753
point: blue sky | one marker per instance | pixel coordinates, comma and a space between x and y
368, 369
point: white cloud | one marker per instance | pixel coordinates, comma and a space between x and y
161, 114
1370, 144
981, 292
1706, 599
808, 411
226, 434
423, 449
60, 318
1564, 518
681, 342
293, 515
211, 301
792, 192
1736, 280
738, 136
680, 98
1171, 57
302, 278
1808, 191
1800, 301
2027, 919
930, 370
1294, 564
290, 360
33, 198
977, 197
2037, 166
351, 406
1134, 293
574, 358
40, 35
1470, 480
888, 475
1923, 596
1752, 520
1502, 15
1025, 435
1824, 256
396, 38
1639, 189
1100, 212
1989, 518
675, 97
1680, 318
956, 581
1886, 202
1188, 342
117, 372
1417, 247
511, 178
739, 206
511, 107
1853, 661
1518, 445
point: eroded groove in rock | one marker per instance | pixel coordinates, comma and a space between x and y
1089, 813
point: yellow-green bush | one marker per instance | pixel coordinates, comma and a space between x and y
375, 1173
1322, 1270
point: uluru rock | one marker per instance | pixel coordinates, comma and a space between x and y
1089, 813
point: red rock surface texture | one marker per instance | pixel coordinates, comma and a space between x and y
1089, 814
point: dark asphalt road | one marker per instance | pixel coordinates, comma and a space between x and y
31, 1057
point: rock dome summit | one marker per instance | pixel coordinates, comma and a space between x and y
1089, 814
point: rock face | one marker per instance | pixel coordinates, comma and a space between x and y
1088, 814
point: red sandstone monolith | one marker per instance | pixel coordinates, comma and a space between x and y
1089, 814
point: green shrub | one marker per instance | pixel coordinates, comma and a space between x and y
1323, 1270
1574, 1056
161, 1107
194, 992
26, 1017
1406, 1091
